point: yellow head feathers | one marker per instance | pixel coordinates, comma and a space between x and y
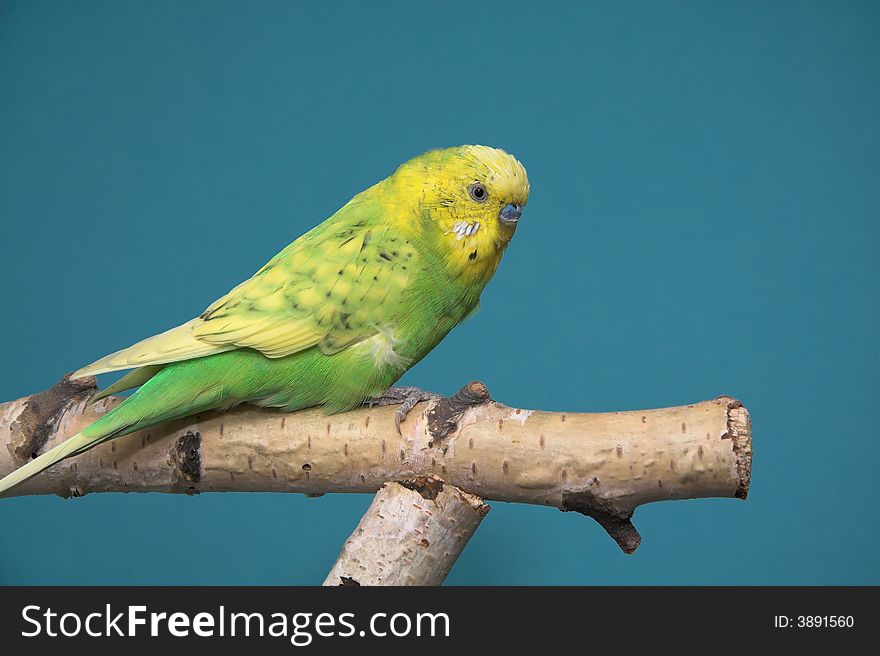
444, 175
504, 176
469, 199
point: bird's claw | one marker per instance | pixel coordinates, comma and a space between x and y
406, 398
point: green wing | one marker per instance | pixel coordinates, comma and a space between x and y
329, 292
331, 288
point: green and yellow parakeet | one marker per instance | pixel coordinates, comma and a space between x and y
336, 317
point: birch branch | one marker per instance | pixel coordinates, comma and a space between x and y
602, 465
411, 534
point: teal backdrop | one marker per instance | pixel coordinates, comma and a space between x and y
703, 220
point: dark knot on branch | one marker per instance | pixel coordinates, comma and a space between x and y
443, 418
42, 413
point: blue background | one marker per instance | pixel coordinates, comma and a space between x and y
703, 220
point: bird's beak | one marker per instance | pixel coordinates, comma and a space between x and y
510, 214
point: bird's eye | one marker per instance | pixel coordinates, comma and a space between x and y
478, 192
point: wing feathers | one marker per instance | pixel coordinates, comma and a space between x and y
171, 346
333, 287
132, 379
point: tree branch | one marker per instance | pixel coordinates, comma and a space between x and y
602, 465
412, 534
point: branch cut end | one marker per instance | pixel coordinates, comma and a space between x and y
739, 431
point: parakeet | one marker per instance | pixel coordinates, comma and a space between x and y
338, 315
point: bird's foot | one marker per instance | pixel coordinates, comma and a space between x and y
406, 398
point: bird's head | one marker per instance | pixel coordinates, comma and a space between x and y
469, 201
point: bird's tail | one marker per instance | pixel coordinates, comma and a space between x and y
175, 391
70, 447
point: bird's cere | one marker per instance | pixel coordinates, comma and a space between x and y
510, 213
